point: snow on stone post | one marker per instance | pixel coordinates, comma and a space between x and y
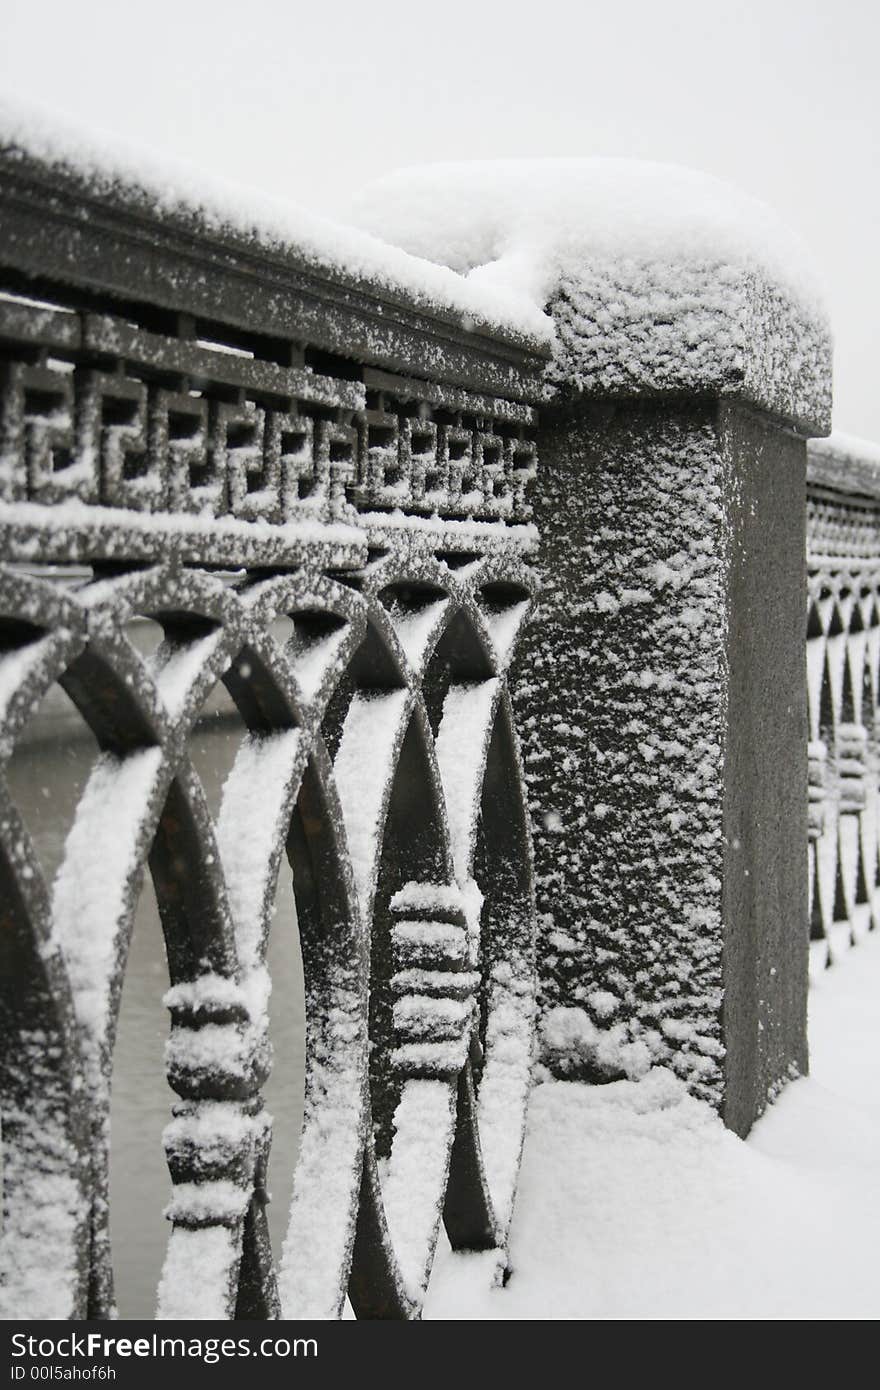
665, 737
662, 700
664, 704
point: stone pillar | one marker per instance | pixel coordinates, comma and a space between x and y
663, 705
662, 701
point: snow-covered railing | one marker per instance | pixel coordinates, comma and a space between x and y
241, 449
663, 703
843, 670
308, 468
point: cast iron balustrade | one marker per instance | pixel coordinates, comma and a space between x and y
207, 432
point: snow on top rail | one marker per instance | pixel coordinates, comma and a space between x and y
116, 169
659, 278
845, 463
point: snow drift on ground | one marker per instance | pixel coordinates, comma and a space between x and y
635, 1202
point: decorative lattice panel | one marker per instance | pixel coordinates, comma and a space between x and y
99, 410
317, 498
314, 490
380, 768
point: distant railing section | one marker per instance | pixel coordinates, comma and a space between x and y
254, 455
843, 674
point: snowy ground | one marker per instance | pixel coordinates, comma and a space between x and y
635, 1202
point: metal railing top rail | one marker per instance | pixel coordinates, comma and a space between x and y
844, 463
107, 237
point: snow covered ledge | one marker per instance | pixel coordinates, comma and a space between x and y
663, 700
658, 279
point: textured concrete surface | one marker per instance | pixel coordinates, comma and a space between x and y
663, 718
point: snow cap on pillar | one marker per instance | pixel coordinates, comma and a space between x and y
658, 279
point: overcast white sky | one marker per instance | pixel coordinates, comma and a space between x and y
311, 100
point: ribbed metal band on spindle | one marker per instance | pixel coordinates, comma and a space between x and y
852, 766
434, 983
817, 787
